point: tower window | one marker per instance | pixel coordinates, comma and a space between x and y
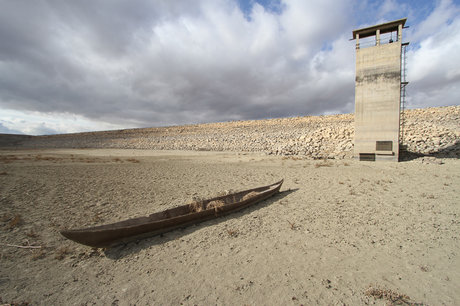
384, 146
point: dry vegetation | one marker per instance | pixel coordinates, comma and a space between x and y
10, 158
292, 157
14, 303
5, 217
324, 163
32, 234
62, 252
391, 296
38, 254
250, 195
15, 222
198, 203
97, 218
216, 205
232, 232
196, 206
293, 225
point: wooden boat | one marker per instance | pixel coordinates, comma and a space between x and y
168, 220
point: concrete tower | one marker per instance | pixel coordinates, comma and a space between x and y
378, 91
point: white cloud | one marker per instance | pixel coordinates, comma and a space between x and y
434, 65
443, 14
388, 6
36, 123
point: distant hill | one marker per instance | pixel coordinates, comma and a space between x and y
429, 131
12, 140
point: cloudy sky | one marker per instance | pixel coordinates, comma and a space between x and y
70, 66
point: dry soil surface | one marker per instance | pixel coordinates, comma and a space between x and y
339, 232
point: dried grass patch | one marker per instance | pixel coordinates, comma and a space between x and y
13, 303
8, 158
292, 225
40, 158
324, 163
47, 158
97, 218
425, 268
62, 252
5, 217
196, 206
225, 193
389, 295
216, 205
250, 195
291, 157
231, 200
232, 232
16, 221
32, 234
38, 254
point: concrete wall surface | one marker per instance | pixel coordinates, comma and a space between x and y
377, 99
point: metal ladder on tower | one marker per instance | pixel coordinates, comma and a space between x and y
403, 94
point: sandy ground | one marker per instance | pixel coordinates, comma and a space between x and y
342, 232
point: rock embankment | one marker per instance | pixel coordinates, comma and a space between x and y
430, 131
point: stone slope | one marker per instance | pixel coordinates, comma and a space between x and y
430, 131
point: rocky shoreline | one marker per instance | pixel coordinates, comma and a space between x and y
429, 131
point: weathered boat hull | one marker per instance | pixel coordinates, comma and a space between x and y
168, 220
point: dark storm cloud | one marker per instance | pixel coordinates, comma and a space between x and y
63, 55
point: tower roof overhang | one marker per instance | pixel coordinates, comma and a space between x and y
384, 28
